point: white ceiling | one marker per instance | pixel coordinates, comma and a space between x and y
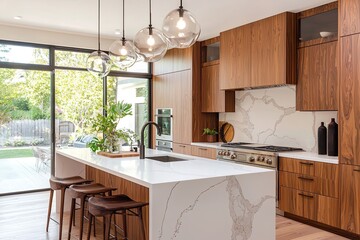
80, 16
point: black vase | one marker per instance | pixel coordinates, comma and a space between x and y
322, 139
333, 138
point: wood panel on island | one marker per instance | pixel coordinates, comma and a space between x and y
259, 54
177, 85
317, 83
309, 189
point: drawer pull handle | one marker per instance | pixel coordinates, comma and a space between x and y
356, 170
305, 195
307, 163
205, 149
181, 146
305, 178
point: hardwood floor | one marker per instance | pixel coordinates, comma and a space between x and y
23, 217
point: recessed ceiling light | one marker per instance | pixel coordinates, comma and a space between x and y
18, 17
117, 32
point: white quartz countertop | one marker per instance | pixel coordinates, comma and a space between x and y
148, 172
310, 156
207, 144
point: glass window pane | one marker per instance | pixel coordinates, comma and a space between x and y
24, 130
140, 67
78, 98
134, 91
70, 59
22, 54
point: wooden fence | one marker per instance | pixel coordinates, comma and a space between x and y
31, 131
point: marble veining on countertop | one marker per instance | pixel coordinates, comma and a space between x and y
148, 172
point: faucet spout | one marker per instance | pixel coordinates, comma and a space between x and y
142, 145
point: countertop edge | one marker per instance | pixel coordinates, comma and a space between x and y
207, 144
310, 156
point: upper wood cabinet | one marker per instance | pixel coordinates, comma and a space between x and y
317, 84
349, 19
259, 54
174, 60
349, 196
349, 114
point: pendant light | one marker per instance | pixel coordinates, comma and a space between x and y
98, 63
122, 52
181, 28
150, 43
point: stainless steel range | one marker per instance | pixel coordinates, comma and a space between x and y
257, 155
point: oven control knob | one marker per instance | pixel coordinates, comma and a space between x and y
219, 152
227, 153
233, 156
269, 161
263, 159
252, 159
258, 159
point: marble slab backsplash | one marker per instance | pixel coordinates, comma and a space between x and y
269, 116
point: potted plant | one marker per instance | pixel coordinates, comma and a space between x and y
107, 125
210, 134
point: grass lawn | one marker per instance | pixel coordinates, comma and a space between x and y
16, 153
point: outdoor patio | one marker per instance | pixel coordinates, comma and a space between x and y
22, 171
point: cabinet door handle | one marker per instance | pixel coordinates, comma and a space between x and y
306, 178
305, 195
307, 163
205, 149
182, 146
356, 170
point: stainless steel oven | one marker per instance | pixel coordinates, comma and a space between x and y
164, 119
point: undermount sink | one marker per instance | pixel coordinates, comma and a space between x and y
167, 159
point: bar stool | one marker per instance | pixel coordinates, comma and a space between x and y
83, 192
61, 184
118, 204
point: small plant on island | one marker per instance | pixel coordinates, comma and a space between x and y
107, 125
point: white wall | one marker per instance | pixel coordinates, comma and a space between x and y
269, 116
32, 35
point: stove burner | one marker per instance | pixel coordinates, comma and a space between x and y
259, 147
277, 149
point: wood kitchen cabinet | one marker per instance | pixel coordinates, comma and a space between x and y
317, 84
350, 195
349, 20
176, 84
182, 148
349, 114
204, 152
259, 54
309, 189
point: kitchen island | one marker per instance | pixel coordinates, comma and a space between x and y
194, 199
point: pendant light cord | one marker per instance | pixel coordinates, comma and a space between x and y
150, 25
99, 25
123, 38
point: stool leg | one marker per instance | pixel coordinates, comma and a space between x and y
72, 216
124, 225
90, 223
61, 211
107, 219
141, 222
82, 210
49, 209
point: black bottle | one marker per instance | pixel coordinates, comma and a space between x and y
322, 139
333, 138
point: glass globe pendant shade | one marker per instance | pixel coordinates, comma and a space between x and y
150, 44
181, 28
122, 53
98, 64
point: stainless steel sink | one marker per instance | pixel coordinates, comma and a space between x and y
167, 159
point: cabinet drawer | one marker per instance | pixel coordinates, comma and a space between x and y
182, 148
203, 152
297, 166
322, 186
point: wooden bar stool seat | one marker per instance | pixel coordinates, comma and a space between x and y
118, 204
83, 192
61, 184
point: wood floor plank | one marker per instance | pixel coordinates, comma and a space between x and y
23, 217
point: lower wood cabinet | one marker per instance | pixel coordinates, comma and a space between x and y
203, 152
309, 205
350, 198
182, 148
